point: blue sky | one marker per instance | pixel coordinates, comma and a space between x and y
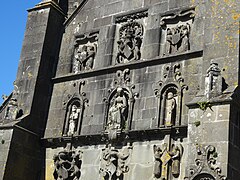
13, 21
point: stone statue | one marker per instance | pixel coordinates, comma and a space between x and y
118, 110
170, 109
84, 57
157, 163
73, 120
184, 31
213, 80
176, 155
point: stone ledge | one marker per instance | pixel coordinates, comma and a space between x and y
131, 65
131, 136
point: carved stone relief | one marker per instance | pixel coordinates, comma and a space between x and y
74, 106
130, 41
130, 30
176, 29
205, 167
119, 105
85, 52
67, 165
170, 96
114, 162
167, 161
213, 81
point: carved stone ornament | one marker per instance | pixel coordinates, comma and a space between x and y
114, 162
133, 16
130, 42
213, 81
12, 110
67, 165
74, 106
170, 96
119, 105
177, 29
205, 165
167, 161
85, 52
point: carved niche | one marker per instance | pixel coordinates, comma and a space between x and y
119, 105
130, 38
170, 95
114, 162
205, 165
67, 165
85, 52
166, 160
213, 81
176, 30
74, 106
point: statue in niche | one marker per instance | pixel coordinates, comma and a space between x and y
177, 39
170, 109
213, 80
114, 162
84, 57
165, 158
73, 120
130, 41
67, 165
117, 114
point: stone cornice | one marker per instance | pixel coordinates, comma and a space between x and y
47, 4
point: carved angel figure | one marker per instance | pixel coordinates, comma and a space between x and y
176, 155
157, 163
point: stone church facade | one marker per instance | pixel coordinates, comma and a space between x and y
125, 90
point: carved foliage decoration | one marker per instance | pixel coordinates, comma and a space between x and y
213, 81
134, 16
170, 96
177, 28
67, 165
167, 161
74, 106
130, 42
85, 52
119, 105
205, 165
114, 162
